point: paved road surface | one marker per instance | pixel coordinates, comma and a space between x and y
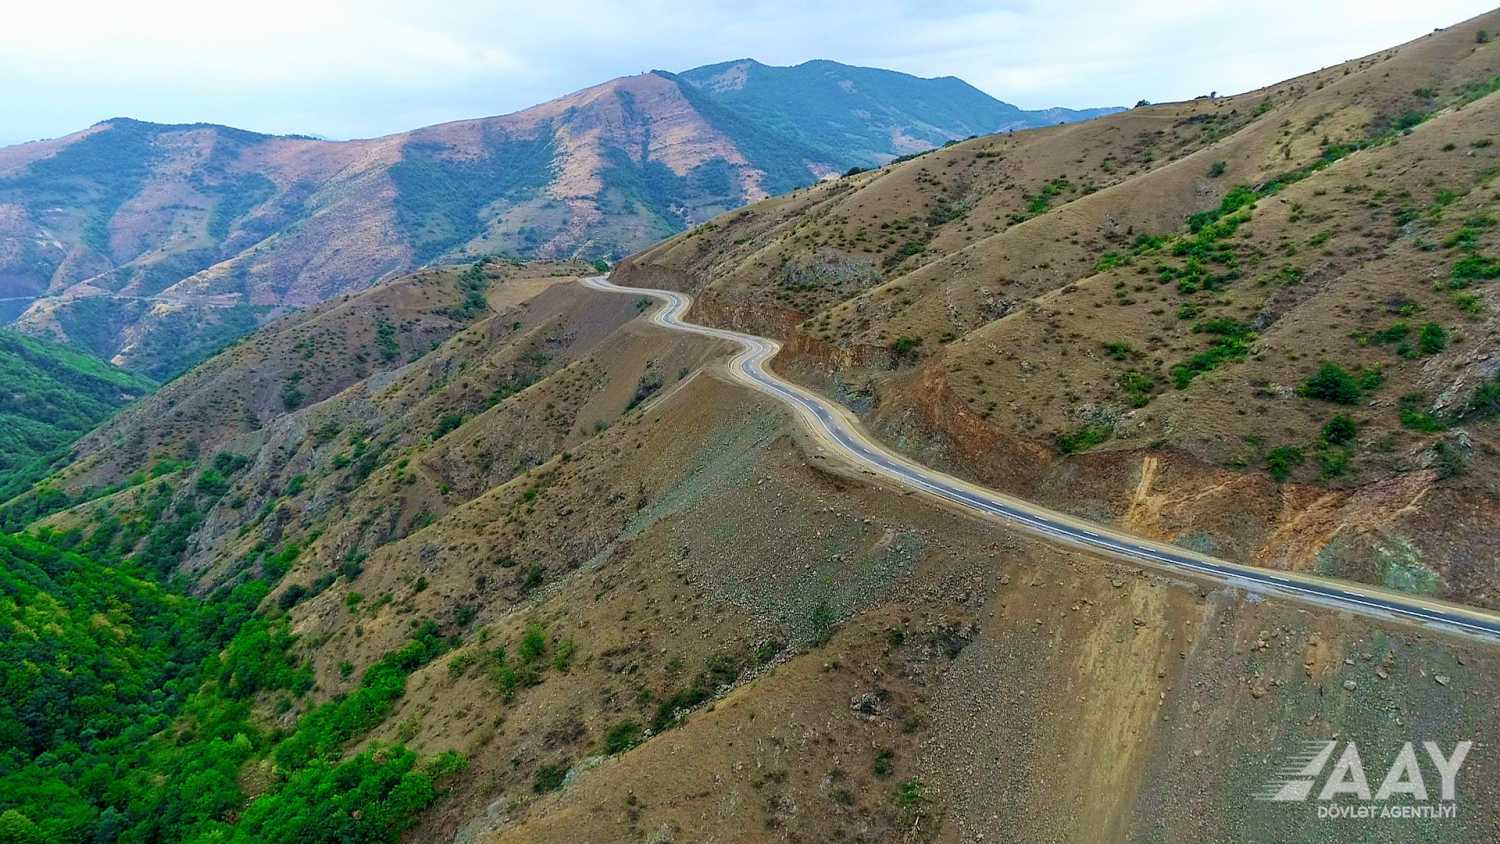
838, 430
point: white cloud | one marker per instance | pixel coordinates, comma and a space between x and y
347, 68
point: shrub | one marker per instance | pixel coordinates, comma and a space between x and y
549, 777
911, 799
1433, 339
1238, 197
822, 623
1334, 461
1340, 430
1217, 169
1472, 268
905, 347
1449, 460
212, 484
884, 762
291, 392
1231, 343
533, 643
622, 737
1083, 438
1137, 387
447, 425
1485, 402
1108, 261
667, 712
1332, 383
1282, 460
1416, 417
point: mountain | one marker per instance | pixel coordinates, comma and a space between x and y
49, 396
863, 115
483, 554
151, 245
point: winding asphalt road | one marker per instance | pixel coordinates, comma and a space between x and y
837, 429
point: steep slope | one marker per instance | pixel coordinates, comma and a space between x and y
49, 396
1162, 289
128, 232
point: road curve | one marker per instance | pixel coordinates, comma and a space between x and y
838, 429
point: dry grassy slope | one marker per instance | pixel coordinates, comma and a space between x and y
1013, 323
800, 254
395, 451
238, 392
1031, 693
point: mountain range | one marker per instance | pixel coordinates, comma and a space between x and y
484, 553
153, 244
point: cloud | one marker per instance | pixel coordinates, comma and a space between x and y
348, 69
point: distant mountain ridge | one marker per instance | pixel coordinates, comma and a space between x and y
864, 112
128, 232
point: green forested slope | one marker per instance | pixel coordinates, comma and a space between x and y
49, 396
128, 710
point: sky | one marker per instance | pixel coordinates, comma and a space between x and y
348, 68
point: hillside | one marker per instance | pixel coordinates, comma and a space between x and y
49, 396
549, 546
481, 554
129, 233
1258, 325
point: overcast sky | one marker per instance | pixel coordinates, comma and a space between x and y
343, 68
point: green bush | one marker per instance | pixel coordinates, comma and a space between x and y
1485, 402
905, 347
1433, 339
1082, 438
1415, 416
1472, 268
1340, 430
622, 737
549, 777
1334, 462
1332, 383
1282, 460
447, 425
